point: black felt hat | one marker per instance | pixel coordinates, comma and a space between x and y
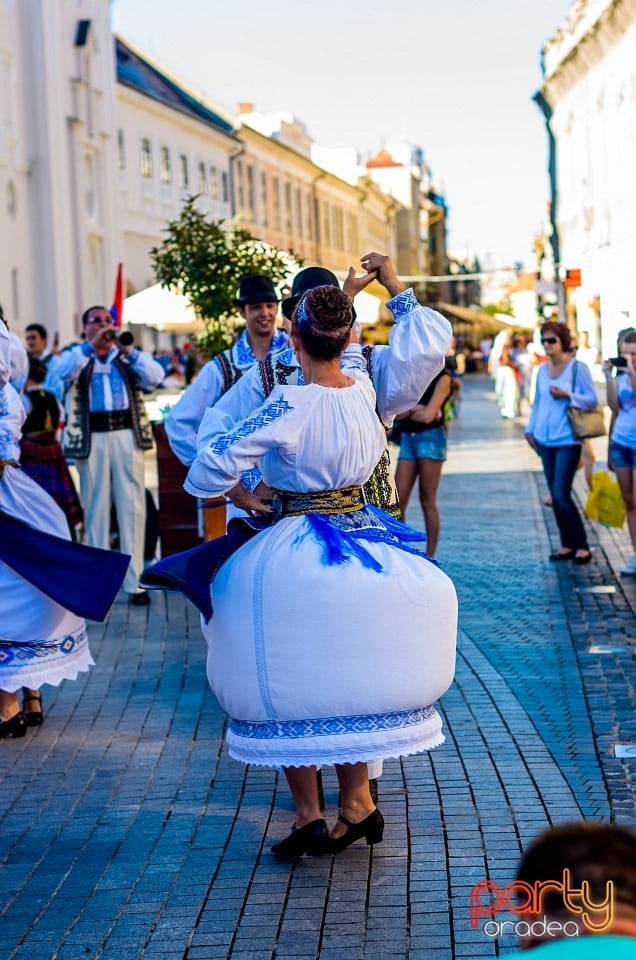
255, 289
306, 280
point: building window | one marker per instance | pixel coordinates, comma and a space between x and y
146, 158
203, 179
90, 195
264, 199
326, 224
288, 206
298, 205
250, 189
309, 220
12, 201
165, 170
225, 187
183, 171
338, 228
214, 183
240, 193
121, 150
276, 191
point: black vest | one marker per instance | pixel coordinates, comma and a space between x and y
77, 434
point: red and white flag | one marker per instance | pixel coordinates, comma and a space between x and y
117, 306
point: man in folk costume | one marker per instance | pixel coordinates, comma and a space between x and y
106, 433
257, 303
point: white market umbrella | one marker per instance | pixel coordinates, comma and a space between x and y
161, 309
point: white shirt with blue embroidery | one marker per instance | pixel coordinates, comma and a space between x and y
287, 437
107, 389
209, 386
418, 343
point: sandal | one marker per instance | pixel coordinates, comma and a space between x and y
33, 718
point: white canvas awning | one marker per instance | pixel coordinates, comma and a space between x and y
161, 309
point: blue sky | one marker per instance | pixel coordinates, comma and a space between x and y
454, 76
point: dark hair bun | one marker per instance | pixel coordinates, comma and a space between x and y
330, 311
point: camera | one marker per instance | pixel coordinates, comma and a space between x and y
619, 362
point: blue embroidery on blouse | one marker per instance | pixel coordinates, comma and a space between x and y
4, 404
402, 303
331, 726
244, 355
273, 411
251, 479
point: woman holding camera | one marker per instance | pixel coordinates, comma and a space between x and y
621, 457
561, 382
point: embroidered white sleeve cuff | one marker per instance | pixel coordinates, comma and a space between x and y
403, 303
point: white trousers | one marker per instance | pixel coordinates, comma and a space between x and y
114, 472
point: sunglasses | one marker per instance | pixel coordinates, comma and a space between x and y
549, 340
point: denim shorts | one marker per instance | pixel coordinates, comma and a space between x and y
622, 456
428, 445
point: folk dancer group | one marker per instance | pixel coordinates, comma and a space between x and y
298, 617
295, 434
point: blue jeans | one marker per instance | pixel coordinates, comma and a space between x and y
559, 467
427, 445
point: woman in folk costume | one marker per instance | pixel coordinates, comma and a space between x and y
47, 583
41, 453
299, 649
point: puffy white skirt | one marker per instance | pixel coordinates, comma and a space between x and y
40, 641
322, 664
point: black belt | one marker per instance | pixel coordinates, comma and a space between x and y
291, 504
111, 420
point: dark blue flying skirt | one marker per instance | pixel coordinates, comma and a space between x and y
82, 579
191, 571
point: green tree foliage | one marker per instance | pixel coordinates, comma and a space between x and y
205, 259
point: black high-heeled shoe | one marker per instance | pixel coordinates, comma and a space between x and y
14, 727
371, 828
33, 718
313, 839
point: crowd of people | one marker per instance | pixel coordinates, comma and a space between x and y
290, 424
320, 486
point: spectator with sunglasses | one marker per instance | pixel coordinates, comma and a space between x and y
561, 382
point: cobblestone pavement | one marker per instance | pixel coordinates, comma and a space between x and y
126, 832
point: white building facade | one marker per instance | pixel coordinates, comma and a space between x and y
59, 213
169, 146
98, 147
590, 85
